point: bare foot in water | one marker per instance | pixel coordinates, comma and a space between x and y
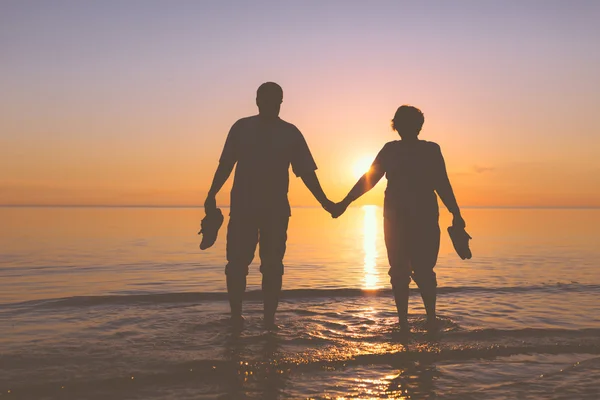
403, 324
432, 325
269, 323
237, 322
402, 334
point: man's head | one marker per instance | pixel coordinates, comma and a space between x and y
268, 99
408, 122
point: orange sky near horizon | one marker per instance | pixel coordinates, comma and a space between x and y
131, 104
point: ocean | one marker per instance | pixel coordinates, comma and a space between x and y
120, 303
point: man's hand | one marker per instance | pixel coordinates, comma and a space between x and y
210, 204
328, 205
458, 221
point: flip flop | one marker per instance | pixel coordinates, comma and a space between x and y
460, 240
210, 228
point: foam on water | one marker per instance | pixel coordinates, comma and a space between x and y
183, 343
185, 297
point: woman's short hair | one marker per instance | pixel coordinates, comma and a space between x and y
408, 119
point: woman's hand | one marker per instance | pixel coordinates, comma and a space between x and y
458, 221
339, 208
210, 204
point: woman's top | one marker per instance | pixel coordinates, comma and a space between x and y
415, 170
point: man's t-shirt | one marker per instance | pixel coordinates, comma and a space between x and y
264, 150
414, 170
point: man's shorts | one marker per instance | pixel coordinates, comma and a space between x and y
245, 231
412, 245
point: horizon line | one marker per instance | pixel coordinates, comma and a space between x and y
549, 207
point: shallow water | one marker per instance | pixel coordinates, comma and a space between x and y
120, 303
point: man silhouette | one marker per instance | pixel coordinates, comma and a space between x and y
263, 146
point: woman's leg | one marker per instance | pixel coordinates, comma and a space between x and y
429, 296
399, 265
426, 248
401, 292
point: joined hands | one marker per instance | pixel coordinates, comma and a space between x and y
335, 209
328, 205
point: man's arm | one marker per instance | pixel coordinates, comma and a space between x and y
312, 183
227, 161
221, 175
304, 166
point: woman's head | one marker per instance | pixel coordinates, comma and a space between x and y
408, 121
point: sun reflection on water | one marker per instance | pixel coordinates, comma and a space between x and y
371, 278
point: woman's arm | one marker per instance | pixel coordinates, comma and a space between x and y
364, 184
444, 190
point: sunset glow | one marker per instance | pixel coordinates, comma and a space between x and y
109, 103
370, 237
362, 166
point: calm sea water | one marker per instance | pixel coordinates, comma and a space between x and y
119, 303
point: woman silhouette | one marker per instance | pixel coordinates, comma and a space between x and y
415, 170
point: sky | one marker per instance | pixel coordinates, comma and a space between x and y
129, 102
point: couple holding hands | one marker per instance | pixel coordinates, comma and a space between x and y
264, 146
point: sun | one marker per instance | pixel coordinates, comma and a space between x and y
361, 166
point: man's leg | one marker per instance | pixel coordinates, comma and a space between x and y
273, 237
236, 287
242, 237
